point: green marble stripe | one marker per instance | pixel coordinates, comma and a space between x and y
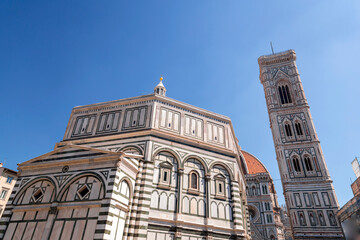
103, 231
104, 222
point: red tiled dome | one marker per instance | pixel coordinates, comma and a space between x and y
253, 164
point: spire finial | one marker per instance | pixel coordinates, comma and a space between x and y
161, 78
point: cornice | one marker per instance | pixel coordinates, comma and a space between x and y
277, 58
151, 133
148, 99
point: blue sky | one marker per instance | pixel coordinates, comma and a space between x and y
57, 55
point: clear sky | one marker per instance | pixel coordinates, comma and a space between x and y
57, 55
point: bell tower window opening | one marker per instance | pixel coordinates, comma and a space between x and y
308, 164
288, 130
281, 95
298, 129
296, 164
284, 93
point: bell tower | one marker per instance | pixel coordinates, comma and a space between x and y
309, 193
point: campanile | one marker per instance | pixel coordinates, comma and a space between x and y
309, 193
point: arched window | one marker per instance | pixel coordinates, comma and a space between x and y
194, 180
298, 128
308, 164
296, 164
288, 130
284, 94
124, 189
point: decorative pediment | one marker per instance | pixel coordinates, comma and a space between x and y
280, 75
71, 152
220, 176
166, 164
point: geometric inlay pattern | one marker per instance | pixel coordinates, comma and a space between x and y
105, 173
61, 179
83, 191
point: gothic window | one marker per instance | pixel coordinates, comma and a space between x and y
308, 164
298, 128
194, 181
296, 164
264, 189
288, 130
321, 218
284, 93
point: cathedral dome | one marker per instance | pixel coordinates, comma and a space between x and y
253, 164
